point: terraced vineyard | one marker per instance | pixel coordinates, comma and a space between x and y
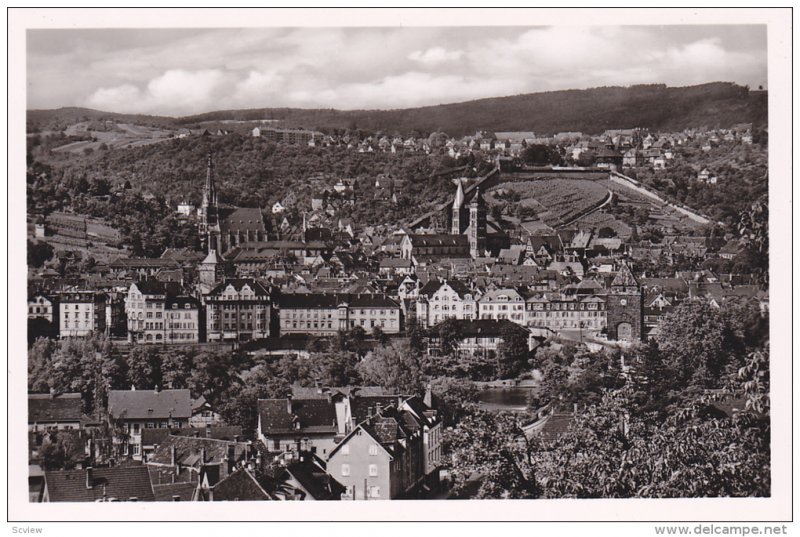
558, 201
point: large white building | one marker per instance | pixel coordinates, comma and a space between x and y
157, 314
448, 299
500, 304
81, 313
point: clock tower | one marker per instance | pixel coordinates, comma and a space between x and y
625, 307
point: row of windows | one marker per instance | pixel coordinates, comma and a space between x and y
86, 324
373, 470
86, 314
500, 307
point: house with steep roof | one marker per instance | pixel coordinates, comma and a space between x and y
313, 424
51, 412
240, 486
114, 484
307, 480
382, 458
194, 459
136, 410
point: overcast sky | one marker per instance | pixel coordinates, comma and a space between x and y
179, 72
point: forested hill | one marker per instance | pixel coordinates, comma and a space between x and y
591, 111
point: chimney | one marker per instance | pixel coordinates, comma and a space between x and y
203, 455
231, 457
157, 389
89, 477
428, 399
173, 454
369, 411
288, 404
208, 430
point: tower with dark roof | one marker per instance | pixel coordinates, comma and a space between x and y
477, 225
625, 307
209, 210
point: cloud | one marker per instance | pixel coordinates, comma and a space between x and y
190, 71
435, 56
176, 91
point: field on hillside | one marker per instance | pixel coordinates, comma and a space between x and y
555, 201
120, 136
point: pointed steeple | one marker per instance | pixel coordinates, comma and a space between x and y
210, 191
477, 199
458, 201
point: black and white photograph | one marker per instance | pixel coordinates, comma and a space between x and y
448, 256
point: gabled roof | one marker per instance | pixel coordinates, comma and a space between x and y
314, 480
307, 415
238, 284
167, 492
189, 450
146, 404
44, 408
242, 220
624, 277
240, 486
118, 482
430, 288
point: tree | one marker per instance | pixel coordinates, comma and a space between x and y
144, 367
176, 367
214, 372
397, 368
39, 253
60, 451
450, 335
698, 343
240, 404
512, 352
493, 449
40, 364
453, 398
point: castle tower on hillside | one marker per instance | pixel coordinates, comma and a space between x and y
209, 210
477, 225
624, 307
459, 220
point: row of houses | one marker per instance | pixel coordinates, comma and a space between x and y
331, 444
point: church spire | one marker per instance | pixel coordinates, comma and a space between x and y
210, 191
459, 199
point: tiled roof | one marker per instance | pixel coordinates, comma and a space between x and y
144, 404
168, 491
439, 240
238, 284
189, 451
46, 408
242, 486
155, 436
242, 220
119, 482
312, 415
315, 481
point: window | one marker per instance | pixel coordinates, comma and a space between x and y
373, 470
136, 449
135, 428
345, 470
373, 449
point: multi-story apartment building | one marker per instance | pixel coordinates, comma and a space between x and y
41, 306
81, 313
157, 314
447, 299
238, 309
558, 312
323, 314
499, 304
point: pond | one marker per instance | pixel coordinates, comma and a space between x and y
511, 399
